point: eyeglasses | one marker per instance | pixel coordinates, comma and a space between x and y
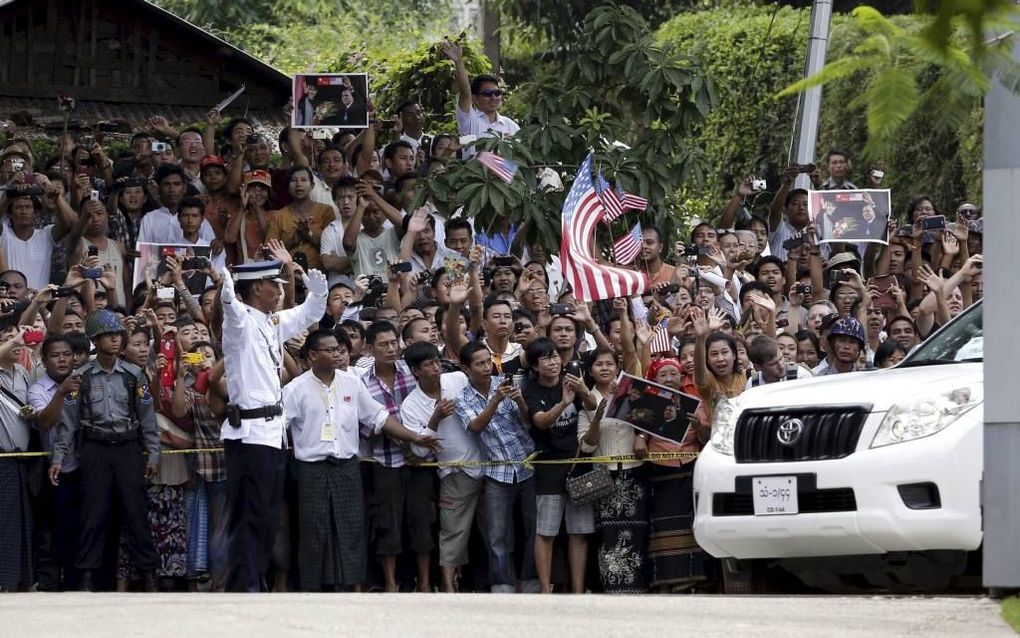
845, 295
490, 93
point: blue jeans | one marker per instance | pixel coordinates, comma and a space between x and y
499, 525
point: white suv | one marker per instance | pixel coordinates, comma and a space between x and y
867, 479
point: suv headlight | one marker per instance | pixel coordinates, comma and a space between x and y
724, 425
923, 417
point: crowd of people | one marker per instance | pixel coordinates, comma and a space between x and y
423, 362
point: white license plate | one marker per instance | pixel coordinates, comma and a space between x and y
774, 495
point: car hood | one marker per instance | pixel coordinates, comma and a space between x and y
878, 388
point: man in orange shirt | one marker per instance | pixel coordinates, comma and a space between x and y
651, 256
220, 205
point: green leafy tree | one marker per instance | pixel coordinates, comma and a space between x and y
634, 102
894, 65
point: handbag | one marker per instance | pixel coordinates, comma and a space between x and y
590, 486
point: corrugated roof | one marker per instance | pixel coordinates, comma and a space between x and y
87, 113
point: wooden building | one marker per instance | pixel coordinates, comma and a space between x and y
123, 61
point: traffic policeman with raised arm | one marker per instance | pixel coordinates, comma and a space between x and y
254, 330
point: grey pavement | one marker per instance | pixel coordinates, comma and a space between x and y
523, 616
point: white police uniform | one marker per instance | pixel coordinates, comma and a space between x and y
253, 353
253, 440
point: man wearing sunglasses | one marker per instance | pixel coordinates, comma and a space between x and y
478, 102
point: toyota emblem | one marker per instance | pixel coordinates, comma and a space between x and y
789, 431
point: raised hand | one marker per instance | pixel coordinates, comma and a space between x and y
279, 251
315, 282
458, 293
701, 324
950, 244
453, 50
717, 318
419, 221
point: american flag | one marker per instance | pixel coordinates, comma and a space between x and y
632, 201
627, 248
498, 166
590, 280
610, 200
662, 341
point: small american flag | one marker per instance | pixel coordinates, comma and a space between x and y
627, 248
610, 200
629, 201
498, 166
662, 341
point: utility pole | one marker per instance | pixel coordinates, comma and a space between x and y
809, 103
1000, 499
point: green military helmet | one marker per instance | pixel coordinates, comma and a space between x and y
102, 322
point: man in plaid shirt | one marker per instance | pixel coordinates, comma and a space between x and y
400, 493
495, 409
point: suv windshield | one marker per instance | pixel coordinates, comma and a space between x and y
960, 340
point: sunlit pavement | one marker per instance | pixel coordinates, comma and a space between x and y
519, 616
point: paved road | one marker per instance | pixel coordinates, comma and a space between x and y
418, 616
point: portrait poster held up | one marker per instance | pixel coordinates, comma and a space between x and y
850, 215
330, 99
664, 414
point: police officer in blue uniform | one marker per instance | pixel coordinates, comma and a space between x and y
109, 423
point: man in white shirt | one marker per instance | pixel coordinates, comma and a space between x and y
323, 409
161, 226
253, 336
26, 248
412, 123
770, 367
478, 102
429, 409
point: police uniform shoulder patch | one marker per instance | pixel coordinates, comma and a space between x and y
143, 393
71, 398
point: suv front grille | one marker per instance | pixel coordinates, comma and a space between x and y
829, 432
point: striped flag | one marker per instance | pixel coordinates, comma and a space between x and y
610, 200
629, 201
498, 166
662, 341
627, 248
590, 280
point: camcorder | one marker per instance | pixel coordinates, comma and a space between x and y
376, 289
838, 277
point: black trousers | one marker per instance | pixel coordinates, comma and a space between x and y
67, 521
254, 496
114, 471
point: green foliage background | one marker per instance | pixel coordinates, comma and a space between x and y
693, 96
752, 56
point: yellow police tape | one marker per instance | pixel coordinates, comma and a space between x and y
528, 462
